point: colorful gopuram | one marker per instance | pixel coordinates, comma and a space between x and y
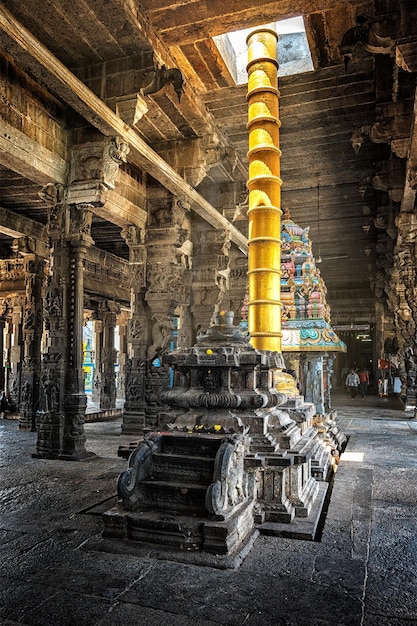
308, 340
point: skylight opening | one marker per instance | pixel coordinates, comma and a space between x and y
293, 50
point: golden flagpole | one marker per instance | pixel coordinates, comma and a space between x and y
264, 185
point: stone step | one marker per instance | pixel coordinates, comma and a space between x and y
181, 443
151, 527
173, 497
182, 468
191, 445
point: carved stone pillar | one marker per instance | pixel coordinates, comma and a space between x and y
98, 342
12, 279
328, 362
137, 336
7, 346
170, 254
108, 357
239, 287
93, 168
15, 351
75, 400
2, 372
32, 337
184, 253
122, 357
62, 401
384, 328
211, 274
223, 274
50, 415
314, 382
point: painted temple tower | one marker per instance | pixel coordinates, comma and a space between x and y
309, 343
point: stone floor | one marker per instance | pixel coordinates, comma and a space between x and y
362, 571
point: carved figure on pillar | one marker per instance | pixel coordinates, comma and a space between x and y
81, 217
92, 165
135, 388
161, 336
50, 419
135, 239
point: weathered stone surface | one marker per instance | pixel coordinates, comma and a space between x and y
51, 559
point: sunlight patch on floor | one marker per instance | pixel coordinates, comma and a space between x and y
356, 457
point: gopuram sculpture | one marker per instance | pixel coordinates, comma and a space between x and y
308, 340
230, 454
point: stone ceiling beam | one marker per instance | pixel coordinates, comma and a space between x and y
185, 28
121, 211
33, 57
14, 225
28, 158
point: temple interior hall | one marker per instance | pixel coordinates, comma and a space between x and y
208, 311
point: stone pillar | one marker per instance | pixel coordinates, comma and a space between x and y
169, 258
314, 387
62, 399
75, 400
50, 415
32, 338
12, 275
15, 351
223, 275
137, 336
108, 357
384, 328
123, 356
92, 171
2, 372
98, 331
328, 364
7, 348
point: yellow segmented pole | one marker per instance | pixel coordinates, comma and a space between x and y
264, 185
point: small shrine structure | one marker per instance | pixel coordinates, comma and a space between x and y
233, 450
309, 343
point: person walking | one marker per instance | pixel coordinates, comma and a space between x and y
363, 382
352, 382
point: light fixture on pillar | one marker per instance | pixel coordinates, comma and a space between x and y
318, 259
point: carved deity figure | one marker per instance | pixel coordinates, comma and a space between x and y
50, 394
81, 216
53, 304
161, 336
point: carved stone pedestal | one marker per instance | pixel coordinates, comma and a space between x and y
223, 396
186, 491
